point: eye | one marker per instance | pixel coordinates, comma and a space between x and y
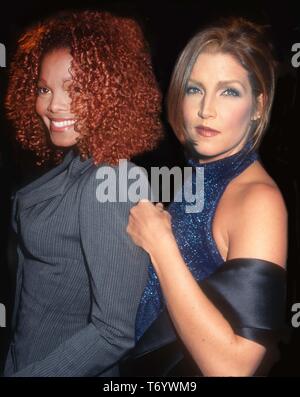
192, 90
231, 92
42, 90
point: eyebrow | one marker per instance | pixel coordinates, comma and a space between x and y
220, 83
41, 80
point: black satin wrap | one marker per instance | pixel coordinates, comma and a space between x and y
251, 295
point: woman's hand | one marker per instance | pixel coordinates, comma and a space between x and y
149, 226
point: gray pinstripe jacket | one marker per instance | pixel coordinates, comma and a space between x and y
79, 278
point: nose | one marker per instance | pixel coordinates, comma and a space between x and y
207, 108
60, 102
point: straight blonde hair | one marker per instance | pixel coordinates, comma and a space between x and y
246, 42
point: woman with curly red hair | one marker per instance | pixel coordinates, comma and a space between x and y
80, 83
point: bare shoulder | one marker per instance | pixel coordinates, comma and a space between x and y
258, 197
259, 219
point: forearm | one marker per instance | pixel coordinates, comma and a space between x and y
87, 353
202, 327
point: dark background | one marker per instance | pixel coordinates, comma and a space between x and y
167, 26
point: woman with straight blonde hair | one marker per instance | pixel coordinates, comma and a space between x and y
214, 304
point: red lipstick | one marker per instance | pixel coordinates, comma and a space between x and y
206, 131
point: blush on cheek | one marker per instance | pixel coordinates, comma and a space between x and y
237, 118
38, 108
185, 110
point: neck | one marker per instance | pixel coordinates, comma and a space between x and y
192, 153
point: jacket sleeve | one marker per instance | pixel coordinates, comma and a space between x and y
117, 272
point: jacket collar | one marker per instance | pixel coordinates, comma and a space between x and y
54, 182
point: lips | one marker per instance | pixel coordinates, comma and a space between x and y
61, 125
206, 131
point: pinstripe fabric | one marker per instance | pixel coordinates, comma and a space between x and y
79, 280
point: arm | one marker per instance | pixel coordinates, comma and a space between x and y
259, 231
118, 271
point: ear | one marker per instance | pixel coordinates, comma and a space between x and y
260, 100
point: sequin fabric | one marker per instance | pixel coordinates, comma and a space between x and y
193, 231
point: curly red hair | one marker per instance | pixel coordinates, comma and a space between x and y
114, 93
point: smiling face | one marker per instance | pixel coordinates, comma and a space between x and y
218, 106
53, 103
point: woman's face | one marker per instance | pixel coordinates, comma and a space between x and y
53, 103
218, 105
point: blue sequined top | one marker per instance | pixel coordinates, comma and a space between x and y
193, 231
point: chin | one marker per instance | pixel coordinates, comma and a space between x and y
60, 141
206, 151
